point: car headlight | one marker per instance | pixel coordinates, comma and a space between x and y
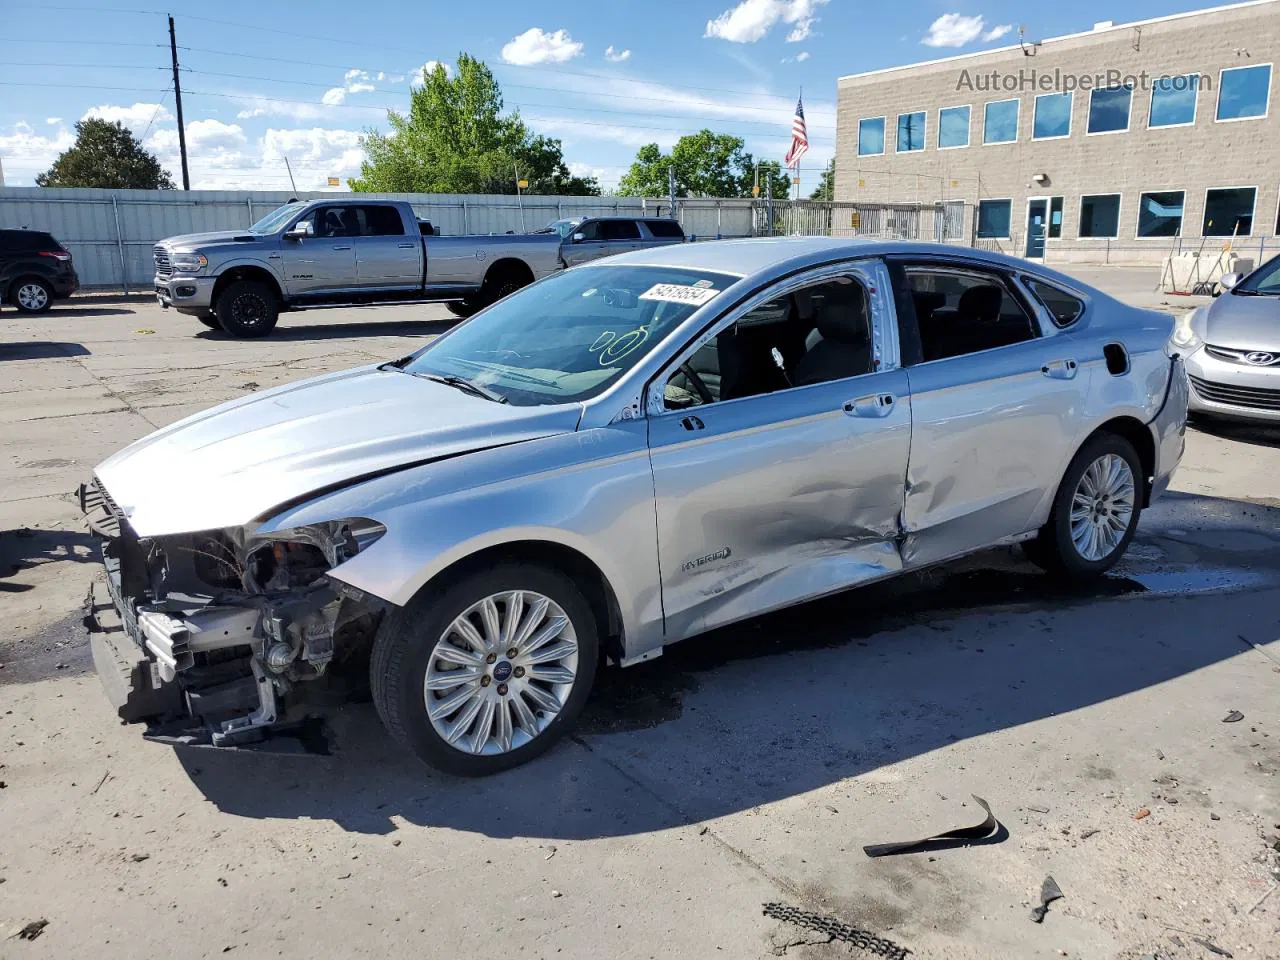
301, 555
189, 262
1186, 330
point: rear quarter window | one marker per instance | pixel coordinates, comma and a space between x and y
27, 241
1065, 308
665, 228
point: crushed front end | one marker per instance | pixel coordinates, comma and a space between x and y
225, 638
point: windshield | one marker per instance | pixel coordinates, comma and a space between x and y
276, 219
1264, 281
562, 227
570, 336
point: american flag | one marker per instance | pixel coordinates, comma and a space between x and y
799, 137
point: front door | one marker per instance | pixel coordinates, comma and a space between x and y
324, 262
1037, 215
778, 463
586, 243
994, 406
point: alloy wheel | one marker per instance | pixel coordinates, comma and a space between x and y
32, 296
501, 672
1102, 507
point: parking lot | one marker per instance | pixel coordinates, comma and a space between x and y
745, 768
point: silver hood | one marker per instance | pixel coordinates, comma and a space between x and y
1244, 322
234, 463
189, 241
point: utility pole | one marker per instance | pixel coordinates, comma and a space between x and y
290, 170
177, 98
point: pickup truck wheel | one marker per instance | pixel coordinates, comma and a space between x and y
462, 308
1095, 513
31, 295
488, 671
248, 308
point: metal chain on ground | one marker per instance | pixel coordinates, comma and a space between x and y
837, 930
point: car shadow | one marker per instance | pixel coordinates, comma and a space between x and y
338, 331
786, 703
24, 548
41, 350
1257, 434
58, 311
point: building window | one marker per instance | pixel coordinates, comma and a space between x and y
1053, 116
1100, 215
1160, 214
1244, 93
953, 127
1109, 110
1173, 101
994, 217
1228, 212
1055, 218
1000, 122
871, 137
910, 132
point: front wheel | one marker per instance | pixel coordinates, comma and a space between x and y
248, 308
1095, 513
487, 672
32, 295
462, 308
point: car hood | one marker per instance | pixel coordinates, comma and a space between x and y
1245, 323
237, 462
192, 240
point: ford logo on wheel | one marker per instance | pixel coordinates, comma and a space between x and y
1260, 358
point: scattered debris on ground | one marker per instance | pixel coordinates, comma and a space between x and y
1144, 812
1049, 892
32, 930
1213, 947
1235, 716
837, 929
989, 830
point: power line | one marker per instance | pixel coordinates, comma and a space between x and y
71, 66
91, 43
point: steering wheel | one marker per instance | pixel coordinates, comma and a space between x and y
697, 383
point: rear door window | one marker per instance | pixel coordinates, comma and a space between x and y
27, 241
620, 230
379, 221
665, 228
961, 310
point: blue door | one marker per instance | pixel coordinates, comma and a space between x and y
1036, 212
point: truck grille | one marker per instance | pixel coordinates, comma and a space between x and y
163, 267
1256, 397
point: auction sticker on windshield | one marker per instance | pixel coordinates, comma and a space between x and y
679, 293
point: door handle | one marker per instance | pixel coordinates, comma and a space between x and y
347, 247
406, 246
872, 405
692, 423
1060, 369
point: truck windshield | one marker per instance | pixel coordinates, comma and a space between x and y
277, 218
570, 336
561, 227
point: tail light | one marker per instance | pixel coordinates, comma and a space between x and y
61, 255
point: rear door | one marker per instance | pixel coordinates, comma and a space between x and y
620, 236
387, 257
996, 406
323, 263
660, 232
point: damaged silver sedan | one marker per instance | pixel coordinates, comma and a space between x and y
616, 458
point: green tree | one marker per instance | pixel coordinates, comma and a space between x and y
106, 155
455, 139
706, 165
826, 190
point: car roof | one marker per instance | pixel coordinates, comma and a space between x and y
748, 256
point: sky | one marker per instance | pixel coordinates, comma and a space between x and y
303, 78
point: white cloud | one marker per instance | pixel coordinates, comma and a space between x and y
334, 96
420, 75
537, 46
616, 56
27, 154
751, 20
253, 105
53, 121
953, 30
802, 56
317, 145
250, 112
202, 136
995, 33
136, 117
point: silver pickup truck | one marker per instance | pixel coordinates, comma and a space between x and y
323, 253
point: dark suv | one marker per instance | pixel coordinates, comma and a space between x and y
35, 270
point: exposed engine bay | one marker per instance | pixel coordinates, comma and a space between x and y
227, 636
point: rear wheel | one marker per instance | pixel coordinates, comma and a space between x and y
1095, 513
488, 672
462, 308
248, 308
31, 295
500, 282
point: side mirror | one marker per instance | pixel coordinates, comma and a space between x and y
299, 230
579, 237
1229, 280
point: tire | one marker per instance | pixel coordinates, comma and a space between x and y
31, 295
462, 308
248, 308
405, 658
210, 320
500, 283
1056, 549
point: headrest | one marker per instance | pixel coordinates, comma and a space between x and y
982, 302
842, 316
804, 306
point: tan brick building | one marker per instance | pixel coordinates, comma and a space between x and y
1121, 143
